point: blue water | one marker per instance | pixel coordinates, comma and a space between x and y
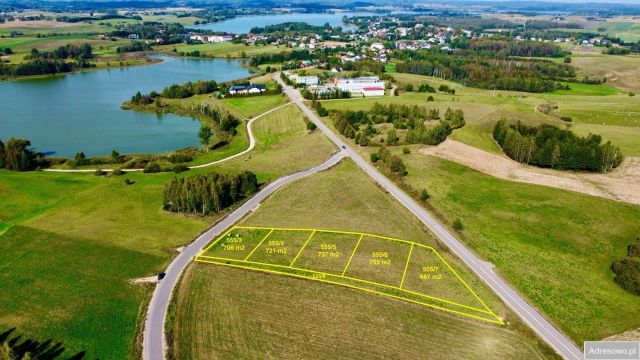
81, 112
243, 24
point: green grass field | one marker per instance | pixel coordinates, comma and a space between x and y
72, 242
620, 71
555, 246
229, 313
224, 49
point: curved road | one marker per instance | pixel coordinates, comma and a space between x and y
153, 343
484, 270
252, 144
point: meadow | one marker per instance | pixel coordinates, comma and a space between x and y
218, 310
227, 49
72, 242
555, 246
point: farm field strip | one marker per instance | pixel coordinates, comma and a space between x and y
391, 267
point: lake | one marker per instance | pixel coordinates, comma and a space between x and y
243, 24
81, 112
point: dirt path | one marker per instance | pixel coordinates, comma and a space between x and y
622, 184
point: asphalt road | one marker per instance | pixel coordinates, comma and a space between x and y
484, 270
153, 343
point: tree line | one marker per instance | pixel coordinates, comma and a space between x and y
551, 147
133, 46
506, 48
69, 51
53, 62
208, 194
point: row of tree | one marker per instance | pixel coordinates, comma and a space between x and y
43, 67
133, 46
552, 147
209, 193
188, 89
69, 51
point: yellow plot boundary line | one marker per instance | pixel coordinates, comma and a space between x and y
497, 321
352, 253
406, 266
346, 278
257, 246
386, 238
302, 248
313, 231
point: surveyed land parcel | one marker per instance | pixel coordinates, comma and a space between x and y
391, 267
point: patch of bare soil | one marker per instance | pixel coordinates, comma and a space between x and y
631, 335
622, 184
145, 280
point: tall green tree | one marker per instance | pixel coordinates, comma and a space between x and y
18, 157
205, 135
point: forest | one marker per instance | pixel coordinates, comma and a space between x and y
53, 62
551, 147
208, 194
488, 73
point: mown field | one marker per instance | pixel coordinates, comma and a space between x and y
593, 108
621, 71
229, 313
72, 242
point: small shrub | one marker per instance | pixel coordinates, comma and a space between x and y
151, 168
179, 168
631, 93
406, 150
117, 172
99, 172
374, 157
128, 181
424, 195
566, 118
323, 112
311, 126
408, 87
458, 225
179, 158
430, 98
